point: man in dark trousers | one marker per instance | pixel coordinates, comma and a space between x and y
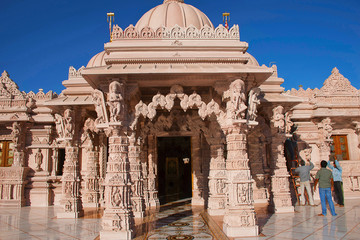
338, 184
325, 179
304, 173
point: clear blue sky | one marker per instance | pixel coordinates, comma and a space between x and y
40, 39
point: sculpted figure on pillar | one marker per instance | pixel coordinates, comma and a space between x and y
325, 129
15, 134
65, 125
69, 123
253, 102
115, 101
278, 119
89, 133
100, 107
288, 123
236, 106
357, 131
38, 160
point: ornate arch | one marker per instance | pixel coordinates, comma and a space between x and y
167, 102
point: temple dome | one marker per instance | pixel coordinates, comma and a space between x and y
171, 13
97, 60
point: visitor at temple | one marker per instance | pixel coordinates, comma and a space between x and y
304, 173
325, 179
338, 184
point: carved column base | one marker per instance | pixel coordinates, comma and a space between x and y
12, 186
197, 198
138, 207
154, 203
281, 201
240, 223
216, 205
113, 226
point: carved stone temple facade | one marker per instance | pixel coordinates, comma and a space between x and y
172, 108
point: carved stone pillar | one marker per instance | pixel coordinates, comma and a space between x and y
117, 221
239, 219
137, 191
280, 184
144, 169
18, 138
91, 195
153, 193
71, 200
217, 180
198, 188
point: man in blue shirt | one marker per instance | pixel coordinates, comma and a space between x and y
338, 184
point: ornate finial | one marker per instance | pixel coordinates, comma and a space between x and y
110, 19
335, 70
226, 19
166, 1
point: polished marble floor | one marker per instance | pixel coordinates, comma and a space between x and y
181, 221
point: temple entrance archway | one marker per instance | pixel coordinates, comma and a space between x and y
174, 168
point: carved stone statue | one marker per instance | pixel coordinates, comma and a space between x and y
236, 106
115, 101
278, 118
325, 129
68, 123
253, 102
288, 122
38, 160
59, 125
99, 101
15, 134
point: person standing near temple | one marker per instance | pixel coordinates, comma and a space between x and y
304, 173
325, 179
338, 184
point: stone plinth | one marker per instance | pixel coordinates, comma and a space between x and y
12, 186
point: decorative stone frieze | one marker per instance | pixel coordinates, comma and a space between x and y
176, 32
280, 185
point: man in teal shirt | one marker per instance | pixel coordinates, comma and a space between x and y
325, 179
338, 188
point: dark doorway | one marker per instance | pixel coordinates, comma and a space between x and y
174, 168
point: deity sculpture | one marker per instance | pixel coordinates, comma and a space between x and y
253, 102
278, 118
115, 101
99, 101
236, 106
288, 122
68, 123
38, 160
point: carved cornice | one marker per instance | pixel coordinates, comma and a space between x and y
176, 32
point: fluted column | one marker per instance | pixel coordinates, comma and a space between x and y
239, 219
71, 200
117, 221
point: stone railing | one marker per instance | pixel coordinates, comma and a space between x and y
12, 184
176, 32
